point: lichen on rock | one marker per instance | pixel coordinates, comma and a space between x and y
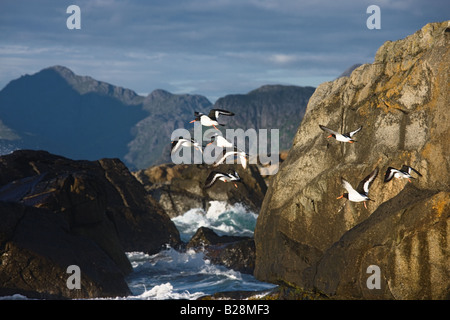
401, 100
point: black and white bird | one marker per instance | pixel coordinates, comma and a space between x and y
232, 176
362, 191
220, 141
342, 137
243, 157
403, 173
184, 142
212, 118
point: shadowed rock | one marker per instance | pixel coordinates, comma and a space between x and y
86, 213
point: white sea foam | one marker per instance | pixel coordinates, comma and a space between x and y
221, 217
165, 291
171, 274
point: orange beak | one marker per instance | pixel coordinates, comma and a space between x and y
340, 197
365, 206
209, 143
350, 141
192, 121
235, 185
330, 136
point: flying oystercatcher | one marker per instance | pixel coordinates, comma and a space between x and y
243, 157
345, 137
403, 173
184, 142
362, 191
212, 118
220, 141
232, 176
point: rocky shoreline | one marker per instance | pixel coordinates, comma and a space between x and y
57, 212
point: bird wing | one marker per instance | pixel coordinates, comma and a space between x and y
196, 145
328, 130
408, 169
347, 186
222, 142
215, 113
389, 174
212, 177
243, 159
352, 133
221, 158
365, 184
176, 144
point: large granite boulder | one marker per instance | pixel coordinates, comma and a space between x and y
306, 237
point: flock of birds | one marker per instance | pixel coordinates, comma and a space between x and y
229, 150
361, 193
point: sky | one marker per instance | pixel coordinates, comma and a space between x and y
212, 48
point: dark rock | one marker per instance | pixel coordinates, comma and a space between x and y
99, 204
239, 255
36, 248
234, 252
206, 237
179, 188
88, 191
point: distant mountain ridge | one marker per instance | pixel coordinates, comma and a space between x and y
268, 107
83, 118
166, 112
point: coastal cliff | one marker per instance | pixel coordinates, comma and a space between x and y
307, 238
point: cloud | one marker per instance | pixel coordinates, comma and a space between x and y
283, 58
208, 47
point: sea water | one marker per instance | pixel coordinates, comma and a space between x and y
172, 274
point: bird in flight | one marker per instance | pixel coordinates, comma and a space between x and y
232, 176
361, 193
342, 137
403, 173
212, 118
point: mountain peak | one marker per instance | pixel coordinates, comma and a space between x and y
87, 84
159, 94
63, 71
